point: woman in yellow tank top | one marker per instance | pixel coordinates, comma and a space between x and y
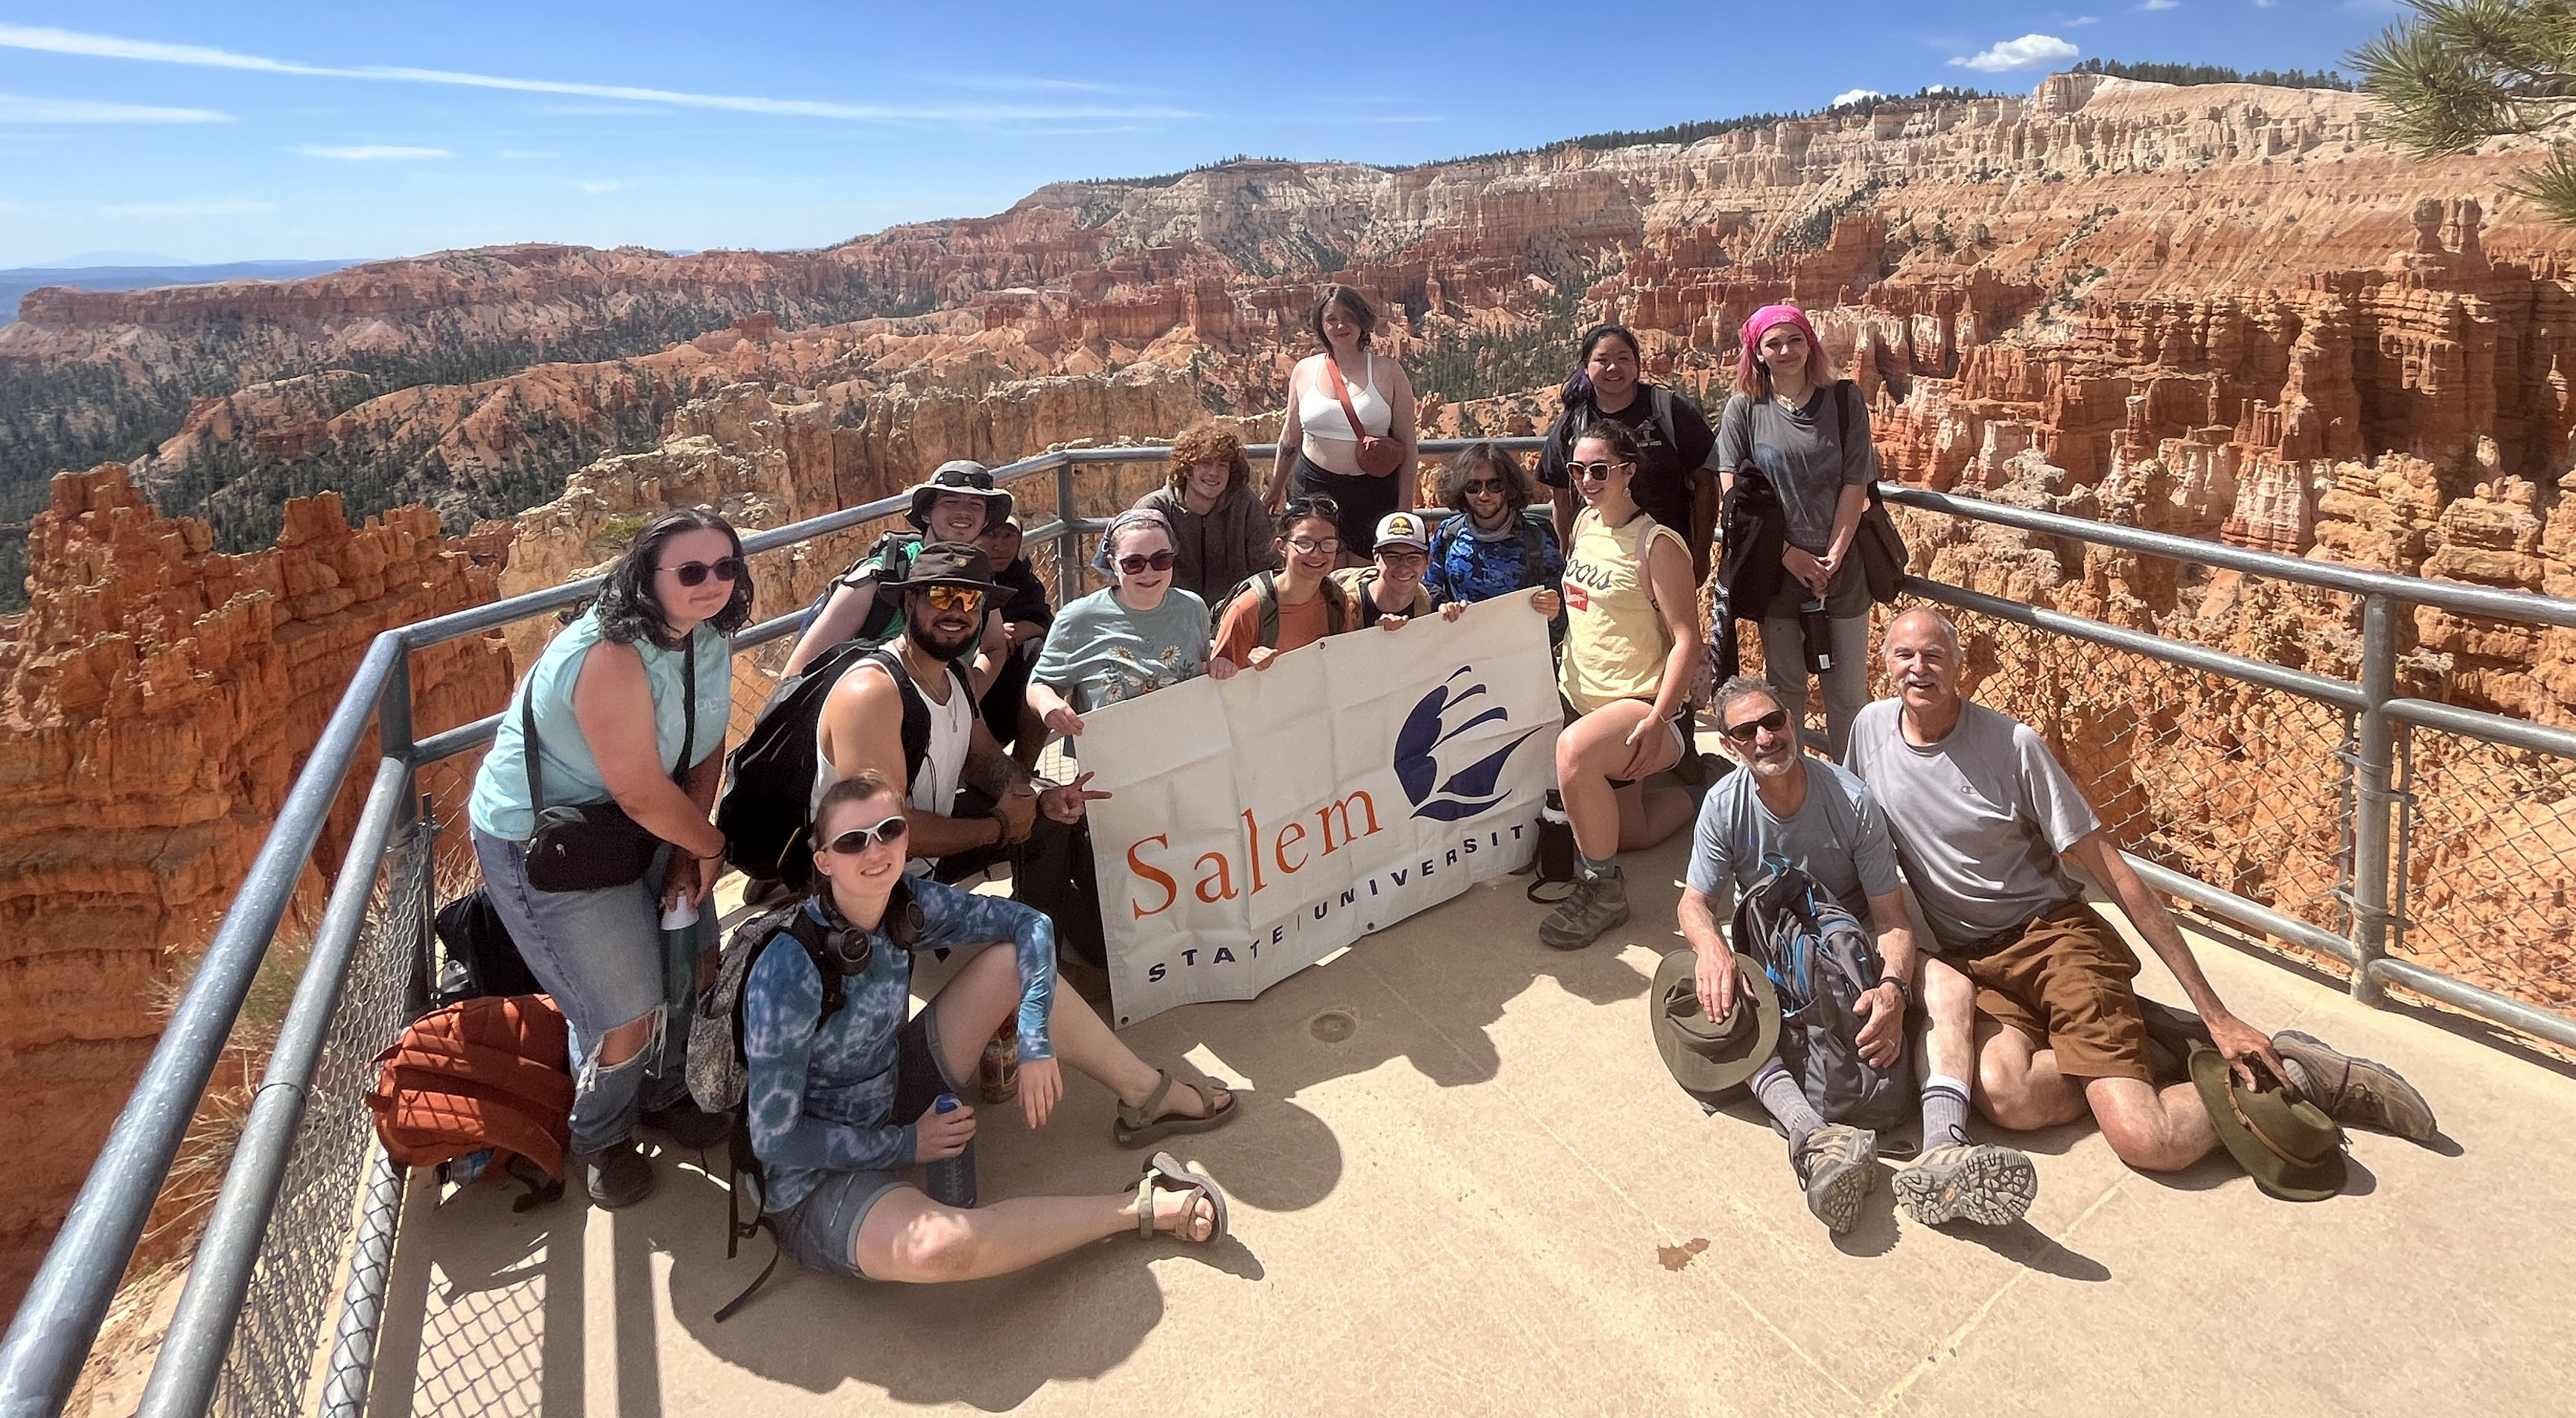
1631, 635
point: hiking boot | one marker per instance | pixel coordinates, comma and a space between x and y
1978, 1181
2356, 1091
1838, 1166
688, 1125
1598, 903
614, 1176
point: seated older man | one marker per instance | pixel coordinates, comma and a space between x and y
1986, 822
1823, 821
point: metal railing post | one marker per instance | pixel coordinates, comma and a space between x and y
1068, 543
2375, 797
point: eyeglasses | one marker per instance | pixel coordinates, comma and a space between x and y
859, 839
1401, 556
1592, 472
1318, 506
1137, 565
1750, 729
1309, 546
1492, 485
954, 598
695, 573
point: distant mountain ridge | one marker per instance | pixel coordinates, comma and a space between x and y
17, 281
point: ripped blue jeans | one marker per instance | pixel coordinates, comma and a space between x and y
606, 960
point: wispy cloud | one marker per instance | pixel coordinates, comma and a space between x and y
2028, 52
2161, 5
203, 207
18, 108
2097, 19
59, 41
1021, 83
596, 185
519, 154
369, 152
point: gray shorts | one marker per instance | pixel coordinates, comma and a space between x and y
821, 1232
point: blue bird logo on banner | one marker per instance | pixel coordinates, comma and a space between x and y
1469, 790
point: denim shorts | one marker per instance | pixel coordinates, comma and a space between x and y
821, 1232
599, 953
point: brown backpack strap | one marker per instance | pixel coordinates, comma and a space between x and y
1341, 391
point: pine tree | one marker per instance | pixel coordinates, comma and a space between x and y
2459, 72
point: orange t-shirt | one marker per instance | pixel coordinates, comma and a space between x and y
1299, 626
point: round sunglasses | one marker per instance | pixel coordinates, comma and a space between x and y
1138, 565
859, 839
695, 573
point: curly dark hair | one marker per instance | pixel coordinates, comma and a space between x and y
1480, 457
627, 609
1353, 304
1207, 443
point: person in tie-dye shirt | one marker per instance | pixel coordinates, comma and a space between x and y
840, 1109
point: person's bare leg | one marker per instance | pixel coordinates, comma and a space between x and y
1647, 816
1084, 1040
1592, 750
1949, 1022
909, 1237
2153, 1130
986, 991
2017, 1084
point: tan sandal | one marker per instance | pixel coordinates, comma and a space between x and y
1167, 1169
1144, 1123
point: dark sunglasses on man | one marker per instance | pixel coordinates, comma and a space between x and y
955, 598
695, 573
1751, 729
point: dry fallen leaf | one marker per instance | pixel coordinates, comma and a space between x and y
1675, 1257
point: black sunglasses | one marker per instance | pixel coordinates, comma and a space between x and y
1323, 507
1482, 485
695, 573
1770, 723
1159, 561
859, 839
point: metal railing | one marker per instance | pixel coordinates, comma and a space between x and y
310, 1206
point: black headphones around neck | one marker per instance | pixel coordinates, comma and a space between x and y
848, 948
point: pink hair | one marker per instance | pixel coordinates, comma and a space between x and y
1750, 374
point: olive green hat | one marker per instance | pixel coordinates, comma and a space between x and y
2288, 1144
1709, 1057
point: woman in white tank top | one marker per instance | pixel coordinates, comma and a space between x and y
1318, 448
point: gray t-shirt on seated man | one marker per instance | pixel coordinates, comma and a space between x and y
1980, 820
1838, 836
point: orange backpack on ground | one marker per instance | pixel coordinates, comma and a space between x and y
481, 1073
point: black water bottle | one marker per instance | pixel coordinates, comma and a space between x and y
1817, 629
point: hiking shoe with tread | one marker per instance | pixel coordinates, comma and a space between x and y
1973, 1181
614, 1177
1837, 1166
1598, 903
2358, 1092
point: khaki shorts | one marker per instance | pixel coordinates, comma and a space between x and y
2065, 985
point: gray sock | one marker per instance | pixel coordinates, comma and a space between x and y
1606, 866
1787, 1106
1945, 1113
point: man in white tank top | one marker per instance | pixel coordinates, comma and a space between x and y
972, 805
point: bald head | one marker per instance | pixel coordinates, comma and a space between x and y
1924, 619
1921, 656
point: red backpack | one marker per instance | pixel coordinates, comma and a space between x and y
481, 1073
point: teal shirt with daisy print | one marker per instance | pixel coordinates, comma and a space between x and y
1100, 652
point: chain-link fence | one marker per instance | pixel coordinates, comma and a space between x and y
304, 1254
2487, 865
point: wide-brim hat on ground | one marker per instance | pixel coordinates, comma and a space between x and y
1706, 1056
1403, 529
959, 475
948, 564
2286, 1143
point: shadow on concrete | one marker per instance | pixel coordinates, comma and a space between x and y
2025, 1244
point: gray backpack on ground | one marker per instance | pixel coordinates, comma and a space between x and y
1820, 960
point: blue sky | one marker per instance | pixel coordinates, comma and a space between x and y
224, 131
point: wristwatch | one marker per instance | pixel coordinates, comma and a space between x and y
1904, 992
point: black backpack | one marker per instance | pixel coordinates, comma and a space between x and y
893, 556
769, 777
1533, 544
1820, 961
1265, 586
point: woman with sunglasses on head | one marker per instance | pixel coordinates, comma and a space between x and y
1493, 544
609, 704
1341, 404
1631, 641
1300, 603
1220, 531
1785, 422
1673, 441
1136, 635
841, 1106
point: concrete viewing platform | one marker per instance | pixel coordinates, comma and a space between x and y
1464, 1183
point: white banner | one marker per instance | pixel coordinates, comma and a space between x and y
1261, 824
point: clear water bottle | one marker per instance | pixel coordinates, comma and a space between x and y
951, 1182
1817, 629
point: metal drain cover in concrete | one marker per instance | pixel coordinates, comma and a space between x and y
1333, 1026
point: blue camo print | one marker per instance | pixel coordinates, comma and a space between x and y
1465, 569
819, 1098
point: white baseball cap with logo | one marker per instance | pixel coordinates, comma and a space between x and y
1403, 529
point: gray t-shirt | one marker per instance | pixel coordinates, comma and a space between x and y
1838, 836
1799, 451
1100, 652
1980, 819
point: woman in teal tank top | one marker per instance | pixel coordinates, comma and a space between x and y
609, 699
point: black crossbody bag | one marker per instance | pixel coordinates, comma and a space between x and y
594, 846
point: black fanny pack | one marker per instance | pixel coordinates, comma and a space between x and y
594, 846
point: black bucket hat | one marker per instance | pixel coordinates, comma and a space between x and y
948, 564
959, 475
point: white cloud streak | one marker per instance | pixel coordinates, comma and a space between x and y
369, 152
18, 108
1852, 96
204, 207
2161, 5
99, 46
2028, 52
